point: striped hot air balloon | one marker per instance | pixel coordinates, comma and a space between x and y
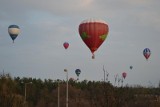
146, 53
13, 31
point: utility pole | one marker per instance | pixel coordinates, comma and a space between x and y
25, 92
58, 94
65, 70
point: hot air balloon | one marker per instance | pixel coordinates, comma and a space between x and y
124, 74
66, 45
93, 33
146, 53
71, 79
78, 71
131, 67
13, 31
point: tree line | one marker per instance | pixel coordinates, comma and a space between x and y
32, 92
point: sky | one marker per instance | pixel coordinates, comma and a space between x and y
45, 25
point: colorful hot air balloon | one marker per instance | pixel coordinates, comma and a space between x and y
124, 74
78, 71
146, 53
93, 33
13, 31
66, 45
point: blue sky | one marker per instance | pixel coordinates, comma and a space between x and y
46, 24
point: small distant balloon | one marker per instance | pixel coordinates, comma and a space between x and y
65, 45
78, 72
131, 67
124, 74
65, 70
13, 31
146, 53
71, 79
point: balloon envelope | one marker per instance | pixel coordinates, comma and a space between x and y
65, 45
131, 67
124, 74
78, 71
71, 79
146, 53
13, 31
93, 33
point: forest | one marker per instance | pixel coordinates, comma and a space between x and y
32, 92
